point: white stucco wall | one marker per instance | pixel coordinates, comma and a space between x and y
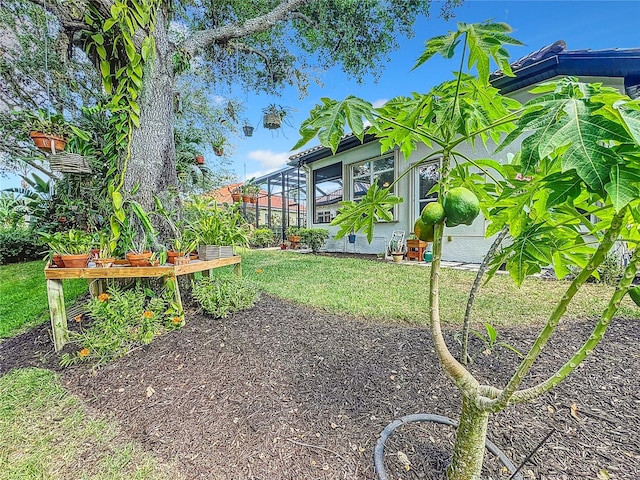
462, 243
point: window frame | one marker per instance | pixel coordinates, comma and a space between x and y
372, 173
314, 181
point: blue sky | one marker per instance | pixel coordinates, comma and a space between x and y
581, 24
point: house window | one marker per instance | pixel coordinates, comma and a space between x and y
363, 175
428, 176
327, 188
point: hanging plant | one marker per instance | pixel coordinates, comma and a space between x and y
49, 132
273, 116
200, 159
248, 130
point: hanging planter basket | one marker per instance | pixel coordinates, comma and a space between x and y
218, 151
47, 142
69, 163
236, 197
272, 121
248, 130
200, 159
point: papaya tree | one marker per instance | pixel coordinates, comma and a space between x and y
570, 193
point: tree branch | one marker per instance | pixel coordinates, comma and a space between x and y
70, 14
198, 41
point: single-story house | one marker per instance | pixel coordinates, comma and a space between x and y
356, 165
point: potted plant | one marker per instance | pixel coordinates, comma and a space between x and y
48, 131
273, 116
105, 257
247, 129
218, 144
200, 159
250, 191
236, 195
293, 235
74, 247
54, 241
182, 246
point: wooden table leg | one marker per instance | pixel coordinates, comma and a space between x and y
237, 269
57, 313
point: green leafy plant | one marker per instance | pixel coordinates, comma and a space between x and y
48, 123
220, 296
579, 156
73, 242
119, 321
490, 340
314, 238
293, 231
216, 225
263, 237
250, 188
19, 244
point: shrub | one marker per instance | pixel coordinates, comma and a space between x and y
119, 321
610, 270
314, 238
19, 245
263, 237
223, 295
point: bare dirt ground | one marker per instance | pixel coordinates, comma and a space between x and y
285, 392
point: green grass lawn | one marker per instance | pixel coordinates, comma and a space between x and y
23, 296
45, 434
390, 292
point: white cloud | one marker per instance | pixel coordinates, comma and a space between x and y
269, 160
380, 102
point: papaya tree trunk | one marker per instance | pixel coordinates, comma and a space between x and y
152, 164
468, 451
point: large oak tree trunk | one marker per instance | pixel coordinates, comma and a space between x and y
153, 163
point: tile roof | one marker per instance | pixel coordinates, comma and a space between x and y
223, 195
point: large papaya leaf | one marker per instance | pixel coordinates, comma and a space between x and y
485, 41
623, 187
377, 204
328, 121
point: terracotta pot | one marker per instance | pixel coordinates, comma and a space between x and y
246, 198
200, 159
122, 262
236, 197
75, 261
253, 199
181, 260
57, 260
139, 259
172, 255
104, 262
45, 142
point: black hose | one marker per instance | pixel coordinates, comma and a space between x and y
378, 451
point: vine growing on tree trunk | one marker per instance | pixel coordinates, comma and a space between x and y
121, 44
579, 156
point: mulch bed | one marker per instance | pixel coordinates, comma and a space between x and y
282, 391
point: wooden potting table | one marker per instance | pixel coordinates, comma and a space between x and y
55, 292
